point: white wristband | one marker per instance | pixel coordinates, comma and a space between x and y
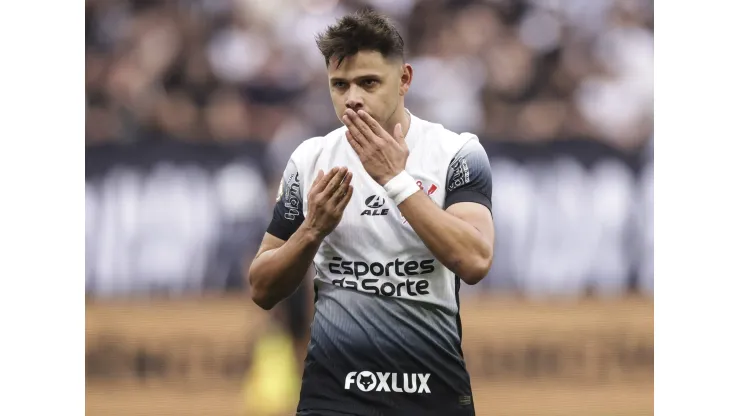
401, 187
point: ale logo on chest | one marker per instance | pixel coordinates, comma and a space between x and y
375, 205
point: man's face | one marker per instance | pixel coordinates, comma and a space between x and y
370, 82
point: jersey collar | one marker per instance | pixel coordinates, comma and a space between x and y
412, 136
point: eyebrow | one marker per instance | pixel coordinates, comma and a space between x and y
360, 78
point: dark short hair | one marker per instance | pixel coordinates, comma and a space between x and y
366, 30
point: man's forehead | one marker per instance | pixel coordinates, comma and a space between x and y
364, 63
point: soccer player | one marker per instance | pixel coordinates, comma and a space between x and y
393, 211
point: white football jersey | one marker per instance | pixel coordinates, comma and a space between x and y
384, 304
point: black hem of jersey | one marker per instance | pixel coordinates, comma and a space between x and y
465, 195
320, 407
280, 231
322, 412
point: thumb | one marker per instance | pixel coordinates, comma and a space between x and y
398, 133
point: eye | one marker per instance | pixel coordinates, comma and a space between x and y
339, 84
369, 82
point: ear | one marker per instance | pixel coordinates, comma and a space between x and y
407, 74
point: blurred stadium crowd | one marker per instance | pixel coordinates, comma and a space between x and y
194, 106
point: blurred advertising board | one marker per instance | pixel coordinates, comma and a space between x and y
570, 358
571, 215
171, 218
189, 356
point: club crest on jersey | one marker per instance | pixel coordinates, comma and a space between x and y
430, 190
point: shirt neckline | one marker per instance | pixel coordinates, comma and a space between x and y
411, 135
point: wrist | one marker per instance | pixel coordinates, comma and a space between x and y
401, 187
311, 235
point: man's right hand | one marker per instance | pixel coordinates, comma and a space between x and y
328, 197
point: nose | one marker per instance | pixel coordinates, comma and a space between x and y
354, 100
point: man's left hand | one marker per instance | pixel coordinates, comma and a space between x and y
382, 155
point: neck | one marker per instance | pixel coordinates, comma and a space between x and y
399, 116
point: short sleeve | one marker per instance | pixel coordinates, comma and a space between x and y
469, 176
287, 215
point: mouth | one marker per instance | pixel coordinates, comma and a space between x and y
364, 110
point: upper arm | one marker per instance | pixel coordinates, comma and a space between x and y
469, 188
469, 177
476, 215
287, 215
269, 242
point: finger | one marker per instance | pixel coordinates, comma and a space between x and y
320, 182
345, 199
372, 124
398, 134
353, 142
334, 183
364, 129
342, 190
316, 181
355, 131
318, 178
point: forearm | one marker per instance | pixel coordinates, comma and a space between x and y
275, 274
456, 244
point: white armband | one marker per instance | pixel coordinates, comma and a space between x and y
401, 187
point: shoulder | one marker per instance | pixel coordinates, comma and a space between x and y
467, 163
449, 141
310, 149
472, 149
